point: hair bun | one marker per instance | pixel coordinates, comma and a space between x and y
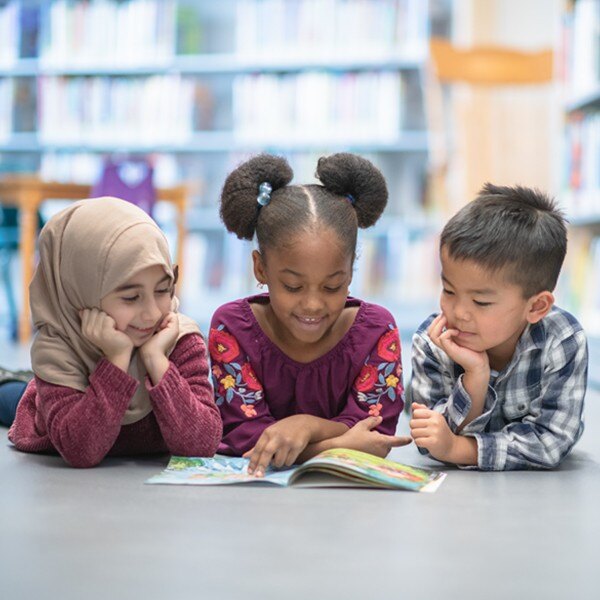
239, 208
350, 174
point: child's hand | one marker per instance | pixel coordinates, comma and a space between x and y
430, 430
470, 360
362, 437
279, 444
101, 330
163, 340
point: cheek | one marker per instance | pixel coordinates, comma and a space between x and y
444, 304
164, 304
121, 317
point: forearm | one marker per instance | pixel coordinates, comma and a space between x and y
463, 451
83, 426
156, 366
315, 448
476, 385
120, 360
186, 413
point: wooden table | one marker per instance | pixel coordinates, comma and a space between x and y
28, 192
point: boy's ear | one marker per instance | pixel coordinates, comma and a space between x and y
539, 306
259, 267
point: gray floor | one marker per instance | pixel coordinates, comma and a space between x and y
101, 533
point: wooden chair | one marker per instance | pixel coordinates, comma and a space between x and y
482, 69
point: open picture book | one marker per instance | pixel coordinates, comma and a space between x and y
338, 467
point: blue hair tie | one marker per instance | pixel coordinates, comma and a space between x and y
264, 196
351, 198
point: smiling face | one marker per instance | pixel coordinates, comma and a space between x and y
140, 304
308, 283
489, 312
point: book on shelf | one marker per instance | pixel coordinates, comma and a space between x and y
132, 33
338, 467
332, 28
581, 36
582, 162
330, 107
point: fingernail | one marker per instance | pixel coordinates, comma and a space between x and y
259, 473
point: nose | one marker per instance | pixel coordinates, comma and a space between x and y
312, 303
150, 311
461, 312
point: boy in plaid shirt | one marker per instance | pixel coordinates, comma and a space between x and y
499, 376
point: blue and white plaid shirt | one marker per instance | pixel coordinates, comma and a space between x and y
533, 411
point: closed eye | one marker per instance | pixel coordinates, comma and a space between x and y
292, 289
482, 303
130, 299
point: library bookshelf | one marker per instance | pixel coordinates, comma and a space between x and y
200, 86
580, 281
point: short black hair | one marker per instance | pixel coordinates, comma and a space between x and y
353, 194
517, 228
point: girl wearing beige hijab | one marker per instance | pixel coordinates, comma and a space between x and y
118, 371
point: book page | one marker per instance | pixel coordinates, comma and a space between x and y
379, 472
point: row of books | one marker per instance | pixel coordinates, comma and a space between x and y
342, 27
96, 32
169, 109
582, 43
582, 165
112, 110
319, 105
145, 32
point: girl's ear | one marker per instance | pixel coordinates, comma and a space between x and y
539, 306
259, 267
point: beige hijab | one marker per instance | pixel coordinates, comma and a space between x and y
86, 251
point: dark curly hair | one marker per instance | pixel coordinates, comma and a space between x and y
516, 228
353, 194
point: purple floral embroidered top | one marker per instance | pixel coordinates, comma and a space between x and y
257, 384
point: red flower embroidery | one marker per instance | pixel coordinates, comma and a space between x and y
388, 346
250, 379
366, 378
248, 410
222, 346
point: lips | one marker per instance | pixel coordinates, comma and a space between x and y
309, 321
145, 331
464, 334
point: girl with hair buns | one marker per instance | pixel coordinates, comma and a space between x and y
118, 371
304, 367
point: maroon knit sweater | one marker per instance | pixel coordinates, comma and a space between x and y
84, 427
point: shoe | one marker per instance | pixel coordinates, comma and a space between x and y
23, 375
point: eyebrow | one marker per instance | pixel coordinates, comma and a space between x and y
291, 272
483, 291
135, 286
